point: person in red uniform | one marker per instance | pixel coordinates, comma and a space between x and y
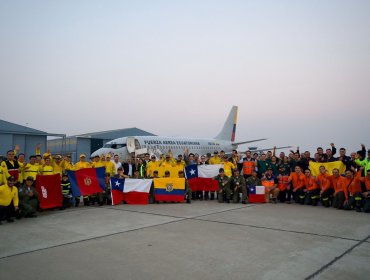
311, 189
326, 188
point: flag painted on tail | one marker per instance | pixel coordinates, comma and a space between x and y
87, 181
256, 194
169, 189
200, 177
131, 191
49, 190
329, 166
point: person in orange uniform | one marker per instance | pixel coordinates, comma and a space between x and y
353, 191
311, 189
326, 188
249, 164
340, 187
283, 184
297, 179
366, 195
269, 181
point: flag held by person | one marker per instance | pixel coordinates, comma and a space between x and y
87, 181
329, 166
257, 194
131, 191
200, 177
49, 190
169, 189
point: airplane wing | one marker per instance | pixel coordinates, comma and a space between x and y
246, 142
269, 149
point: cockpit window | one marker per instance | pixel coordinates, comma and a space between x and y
114, 146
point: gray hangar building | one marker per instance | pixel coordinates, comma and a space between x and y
27, 138
90, 142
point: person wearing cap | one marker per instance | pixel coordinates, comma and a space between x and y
31, 169
224, 192
66, 192
167, 164
238, 185
109, 165
57, 165
151, 166
46, 168
121, 173
253, 180
215, 159
28, 198
97, 162
67, 164
269, 181
365, 163
82, 163
9, 200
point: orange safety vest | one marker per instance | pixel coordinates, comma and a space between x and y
268, 184
248, 167
283, 183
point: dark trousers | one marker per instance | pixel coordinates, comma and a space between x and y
354, 202
312, 197
338, 200
299, 196
6, 212
282, 196
327, 198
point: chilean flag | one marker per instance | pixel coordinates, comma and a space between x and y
200, 177
131, 191
49, 190
87, 181
256, 194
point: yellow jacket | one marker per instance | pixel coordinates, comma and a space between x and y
151, 167
228, 167
3, 175
215, 160
46, 170
97, 164
58, 168
8, 194
66, 165
110, 167
31, 170
82, 164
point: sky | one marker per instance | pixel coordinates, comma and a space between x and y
298, 70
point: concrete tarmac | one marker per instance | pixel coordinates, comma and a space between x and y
202, 240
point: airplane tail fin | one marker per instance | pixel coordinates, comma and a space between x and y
228, 131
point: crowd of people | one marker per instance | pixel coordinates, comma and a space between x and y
284, 177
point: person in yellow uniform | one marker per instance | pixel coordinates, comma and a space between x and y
167, 165
46, 168
31, 169
57, 165
215, 159
22, 163
82, 163
11, 166
3, 175
8, 194
66, 163
151, 166
97, 162
228, 166
109, 165
179, 166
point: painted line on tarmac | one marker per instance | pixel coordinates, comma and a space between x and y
336, 259
281, 230
116, 233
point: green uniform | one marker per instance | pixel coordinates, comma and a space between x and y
238, 185
223, 188
27, 204
187, 191
262, 166
253, 181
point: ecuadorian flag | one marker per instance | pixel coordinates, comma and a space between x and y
169, 189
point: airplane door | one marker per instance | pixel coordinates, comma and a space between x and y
130, 145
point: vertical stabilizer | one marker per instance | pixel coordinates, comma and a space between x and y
228, 131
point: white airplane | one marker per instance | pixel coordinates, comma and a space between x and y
156, 145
